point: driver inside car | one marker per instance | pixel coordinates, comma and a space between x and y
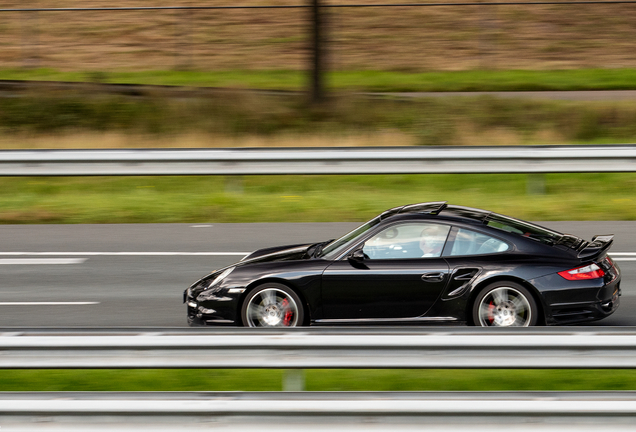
432, 241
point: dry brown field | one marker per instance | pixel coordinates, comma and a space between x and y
372, 38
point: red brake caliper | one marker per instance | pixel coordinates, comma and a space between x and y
491, 307
288, 313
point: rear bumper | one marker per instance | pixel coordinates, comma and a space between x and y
573, 313
573, 302
579, 313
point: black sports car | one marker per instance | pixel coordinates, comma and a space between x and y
420, 263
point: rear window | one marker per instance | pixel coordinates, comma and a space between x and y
525, 229
469, 242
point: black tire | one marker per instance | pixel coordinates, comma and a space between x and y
505, 304
194, 323
272, 305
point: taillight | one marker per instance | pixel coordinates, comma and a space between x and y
591, 271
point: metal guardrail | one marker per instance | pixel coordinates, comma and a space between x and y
355, 411
351, 160
288, 412
320, 349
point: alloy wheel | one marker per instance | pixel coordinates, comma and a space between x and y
505, 307
272, 307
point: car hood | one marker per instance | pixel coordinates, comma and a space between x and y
278, 253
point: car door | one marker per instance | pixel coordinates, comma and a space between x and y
398, 273
468, 253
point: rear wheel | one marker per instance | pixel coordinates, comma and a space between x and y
505, 304
272, 305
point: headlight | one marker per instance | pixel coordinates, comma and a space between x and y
220, 277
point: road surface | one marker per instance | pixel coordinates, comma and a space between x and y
134, 274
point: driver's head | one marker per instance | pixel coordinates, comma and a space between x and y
432, 239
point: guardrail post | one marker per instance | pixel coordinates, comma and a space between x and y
535, 184
234, 184
294, 380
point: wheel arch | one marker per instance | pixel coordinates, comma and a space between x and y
252, 286
541, 319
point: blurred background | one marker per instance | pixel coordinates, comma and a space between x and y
244, 73
262, 73
374, 35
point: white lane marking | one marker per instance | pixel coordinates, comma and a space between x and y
47, 303
623, 256
125, 253
201, 226
41, 261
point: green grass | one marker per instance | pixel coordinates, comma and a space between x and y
306, 198
430, 121
316, 380
369, 80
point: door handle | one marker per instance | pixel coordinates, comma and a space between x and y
433, 277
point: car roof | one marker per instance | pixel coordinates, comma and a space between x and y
441, 211
439, 208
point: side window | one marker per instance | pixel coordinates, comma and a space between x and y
410, 240
473, 243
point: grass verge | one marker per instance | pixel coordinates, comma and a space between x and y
306, 198
480, 120
317, 380
366, 80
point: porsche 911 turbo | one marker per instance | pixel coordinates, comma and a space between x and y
417, 264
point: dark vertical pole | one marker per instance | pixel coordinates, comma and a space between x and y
316, 63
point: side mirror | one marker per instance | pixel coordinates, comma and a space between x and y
357, 255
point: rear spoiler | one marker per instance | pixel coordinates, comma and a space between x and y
598, 245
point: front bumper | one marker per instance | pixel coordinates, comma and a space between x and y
219, 310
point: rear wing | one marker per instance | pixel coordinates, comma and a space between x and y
598, 245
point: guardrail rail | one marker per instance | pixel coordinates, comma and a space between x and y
353, 160
598, 348
315, 348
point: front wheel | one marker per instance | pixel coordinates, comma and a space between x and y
505, 304
272, 305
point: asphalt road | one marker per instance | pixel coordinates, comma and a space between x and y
134, 275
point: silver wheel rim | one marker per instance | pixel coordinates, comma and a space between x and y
272, 307
505, 307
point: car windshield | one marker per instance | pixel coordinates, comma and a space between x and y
337, 246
